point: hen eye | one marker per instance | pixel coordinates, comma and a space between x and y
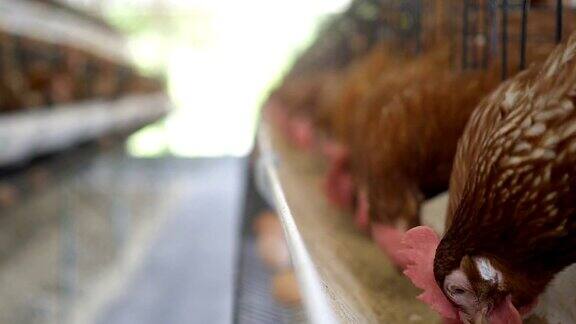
458, 291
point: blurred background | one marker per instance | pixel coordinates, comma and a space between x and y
219, 59
125, 133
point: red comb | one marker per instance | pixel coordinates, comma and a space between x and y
302, 132
389, 239
334, 150
362, 215
339, 185
420, 248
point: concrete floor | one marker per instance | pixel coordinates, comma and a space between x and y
187, 277
124, 240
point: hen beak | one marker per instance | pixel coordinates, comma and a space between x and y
481, 317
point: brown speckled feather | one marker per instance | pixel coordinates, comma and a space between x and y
513, 187
406, 132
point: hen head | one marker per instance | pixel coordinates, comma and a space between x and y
474, 291
478, 290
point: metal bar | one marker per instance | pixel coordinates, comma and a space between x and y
452, 30
316, 300
504, 50
419, 26
485, 32
474, 30
494, 29
465, 33
523, 34
558, 21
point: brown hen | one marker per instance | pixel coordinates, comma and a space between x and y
406, 139
512, 211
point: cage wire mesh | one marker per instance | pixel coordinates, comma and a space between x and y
506, 31
364, 24
503, 36
487, 32
481, 33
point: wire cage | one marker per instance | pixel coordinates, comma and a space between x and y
506, 31
37, 73
364, 24
481, 33
65, 80
487, 41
